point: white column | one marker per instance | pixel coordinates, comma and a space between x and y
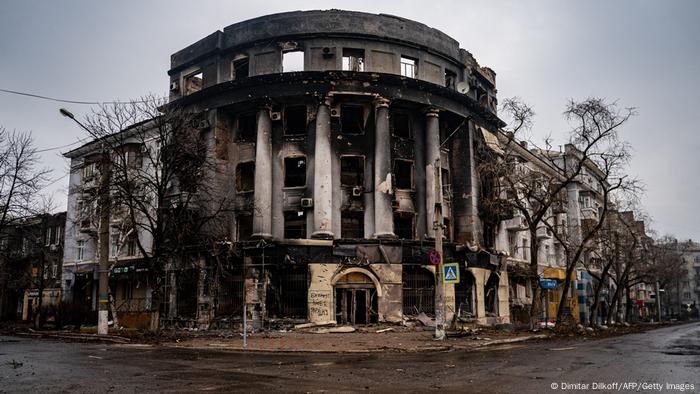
432, 154
323, 185
383, 184
262, 215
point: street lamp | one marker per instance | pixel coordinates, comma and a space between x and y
103, 237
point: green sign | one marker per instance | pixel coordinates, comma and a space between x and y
450, 273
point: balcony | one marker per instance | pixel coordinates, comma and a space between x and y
544, 233
516, 223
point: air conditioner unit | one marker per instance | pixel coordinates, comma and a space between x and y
327, 53
275, 116
174, 86
335, 111
307, 202
357, 191
203, 124
53, 247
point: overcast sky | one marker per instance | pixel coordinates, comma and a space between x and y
644, 54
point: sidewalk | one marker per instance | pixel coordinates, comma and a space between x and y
396, 339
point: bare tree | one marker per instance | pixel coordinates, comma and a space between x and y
535, 181
21, 179
161, 181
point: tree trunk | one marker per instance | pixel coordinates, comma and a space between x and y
536, 308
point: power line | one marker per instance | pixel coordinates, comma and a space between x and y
70, 101
63, 146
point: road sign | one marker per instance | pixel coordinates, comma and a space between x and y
450, 273
434, 257
548, 283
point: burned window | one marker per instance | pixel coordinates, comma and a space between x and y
418, 290
352, 170
404, 225
409, 67
247, 127
465, 295
294, 171
244, 227
292, 61
352, 224
401, 124
403, 174
294, 225
193, 82
245, 177
352, 119
287, 291
353, 59
240, 68
491, 295
446, 184
295, 120
186, 296
450, 79
230, 293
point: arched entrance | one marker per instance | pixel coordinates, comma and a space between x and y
355, 299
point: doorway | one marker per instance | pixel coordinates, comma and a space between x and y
356, 300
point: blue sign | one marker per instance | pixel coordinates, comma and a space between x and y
548, 283
450, 273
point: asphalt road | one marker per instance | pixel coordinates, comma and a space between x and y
664, 356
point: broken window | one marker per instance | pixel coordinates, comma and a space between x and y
491, 295
240, 67
193, 82
446, 184
404, 225
356, 299
418, 290
401, 124
186, 297
352, 170
245, 177
292, 61
294, 225
403, 174
287, 291
295, 120
244, 227
89, 170
294, 171
465, 294
450, 79
352, 224
525, 247
131, 246
230, 293
114, 245
353, 59
247, 127
409, 67
352, 119
512, 243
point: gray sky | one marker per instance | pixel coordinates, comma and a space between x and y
644, 54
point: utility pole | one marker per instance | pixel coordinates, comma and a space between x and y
658, 301
438, 225
104, 203
103, 234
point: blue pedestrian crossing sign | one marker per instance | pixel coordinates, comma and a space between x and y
450, 273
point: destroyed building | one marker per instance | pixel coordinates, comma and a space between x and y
326, 128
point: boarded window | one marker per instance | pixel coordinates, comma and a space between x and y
244, 227
292, 61
294, 171
193, 82
295, 120
294, 225
353, 59
352, 224
418, 290
245, 177
404, 225
352, 119
240, 68
403, 173
409, 67
352, 170
247, 127
401, 124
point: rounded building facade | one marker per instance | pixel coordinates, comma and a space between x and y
336, 133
